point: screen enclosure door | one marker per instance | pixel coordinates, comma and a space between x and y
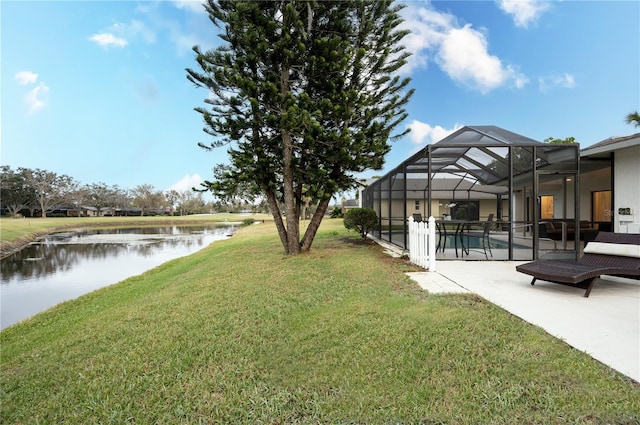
558, 206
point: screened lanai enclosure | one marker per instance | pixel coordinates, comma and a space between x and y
482, 185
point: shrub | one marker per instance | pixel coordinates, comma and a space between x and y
336, 212
247, 222
361, 219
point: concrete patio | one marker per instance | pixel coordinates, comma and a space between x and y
606, 325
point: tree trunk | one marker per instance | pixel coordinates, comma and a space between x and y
293, 224
310, 233
277, 217
14, 209
43, 210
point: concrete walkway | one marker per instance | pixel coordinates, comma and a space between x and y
606, 325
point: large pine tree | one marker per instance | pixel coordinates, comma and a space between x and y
304, 94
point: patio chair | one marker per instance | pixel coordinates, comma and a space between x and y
482, 235
614, 254
441, 237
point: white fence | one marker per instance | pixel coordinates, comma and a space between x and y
422, 243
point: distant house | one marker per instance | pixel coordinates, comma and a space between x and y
89, 211
349, 204
357, 201
120, 212
67, 211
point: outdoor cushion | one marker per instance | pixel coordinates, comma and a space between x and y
604, 248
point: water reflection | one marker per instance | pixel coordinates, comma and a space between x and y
66, 265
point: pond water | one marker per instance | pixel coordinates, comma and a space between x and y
64, 266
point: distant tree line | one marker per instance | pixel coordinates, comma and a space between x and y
38, 193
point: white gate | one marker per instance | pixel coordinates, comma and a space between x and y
422, 243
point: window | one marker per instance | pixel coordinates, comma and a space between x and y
601, 205
467, 210
417, 205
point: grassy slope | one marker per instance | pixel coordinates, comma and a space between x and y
239, 333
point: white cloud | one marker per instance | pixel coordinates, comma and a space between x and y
421, 131
566, 81
106, 39
464, 55
524, 12
26, 77
183, 36
519, 80
186, 183
428, 28
461, 52
118, 34
156, 23
36, 98
190, 5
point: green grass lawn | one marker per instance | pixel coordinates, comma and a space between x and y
240, 333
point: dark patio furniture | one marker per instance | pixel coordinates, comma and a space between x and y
552, 229
482, 236
448, 229
582, 273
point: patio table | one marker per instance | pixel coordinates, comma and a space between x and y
453, 228
456, 229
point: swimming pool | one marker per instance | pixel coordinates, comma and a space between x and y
475, 242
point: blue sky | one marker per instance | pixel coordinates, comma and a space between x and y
97, 90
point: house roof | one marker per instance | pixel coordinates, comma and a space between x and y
452, 187
611, 144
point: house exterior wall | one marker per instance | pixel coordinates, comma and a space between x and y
423, 207
627, 189
598, 180
438, 208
